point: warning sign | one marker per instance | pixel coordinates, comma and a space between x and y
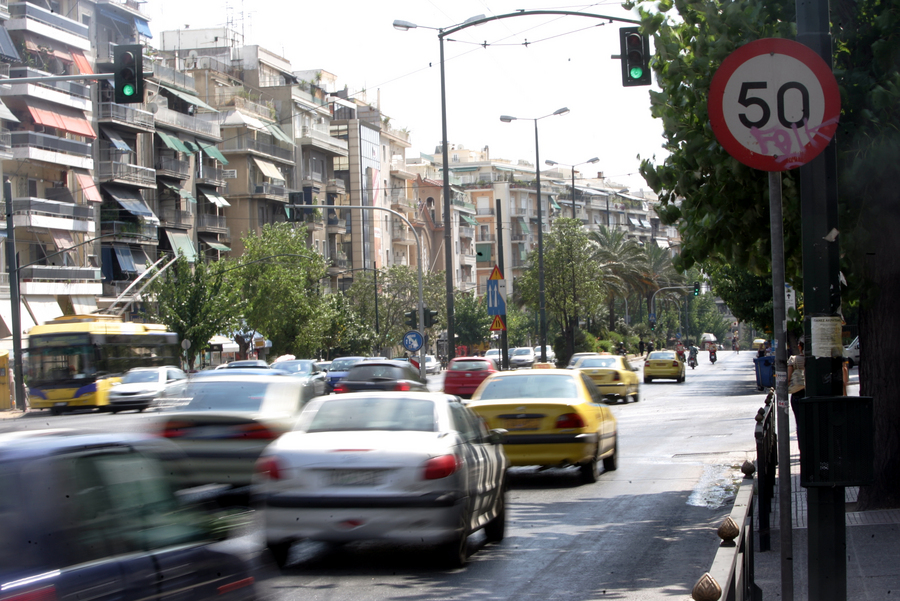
498, 323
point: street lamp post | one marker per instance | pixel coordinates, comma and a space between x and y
591, 161
540, 218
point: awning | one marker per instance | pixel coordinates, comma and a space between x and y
73, 123
468, 219
213, 196
523, 254
114, 137
88, 187
634, 222
132, 202
189, 98
25, 319
140, 259
662, 243
645, 223
126, 261
43, 308
524, 225
483, 252
555, 204
181, 244
239, 119
62, 239
113, 15
81, 61
5, 113
214, 244
143, 27
279, 133
212, 151
268, 169
461, 169
8, 48
83, 305
173, 142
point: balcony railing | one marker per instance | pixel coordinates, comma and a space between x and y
42, 15
213, 223
246, 143
48, 142
466, 231
211, 175
68, 87
335, 186
5, 140
182, 80
402, 234
111, 170
144, 233
54, 272
187, 122
173, 167
482, 211
310, 134
463, 203
110, 111
270, 190
53, 208
176, 218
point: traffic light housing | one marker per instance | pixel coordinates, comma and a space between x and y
696, 288
635, 57
652, 326
412, 319
128, 73
430, 317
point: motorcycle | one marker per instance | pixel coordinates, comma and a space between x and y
692, 361
712, 357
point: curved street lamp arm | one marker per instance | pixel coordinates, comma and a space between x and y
521, 13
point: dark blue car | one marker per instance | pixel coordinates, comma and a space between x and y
338, 370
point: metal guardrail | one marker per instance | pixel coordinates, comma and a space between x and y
731, 575
766, 461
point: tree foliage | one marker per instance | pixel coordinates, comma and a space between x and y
345, 332
471, 324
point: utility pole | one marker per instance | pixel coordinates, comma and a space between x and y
504, 340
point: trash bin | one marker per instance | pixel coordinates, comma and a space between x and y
765, 372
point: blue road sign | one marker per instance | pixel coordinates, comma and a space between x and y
653, 317
412, 341
496, 302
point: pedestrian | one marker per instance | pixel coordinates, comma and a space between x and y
641, 347
796, 373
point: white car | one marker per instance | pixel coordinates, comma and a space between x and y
851, 352
522, 357
411, 467
432, 365
142, 386
551, 356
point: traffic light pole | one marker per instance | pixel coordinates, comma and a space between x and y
653, 298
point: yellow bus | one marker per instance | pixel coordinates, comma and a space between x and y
74, 360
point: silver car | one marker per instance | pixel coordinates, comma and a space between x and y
305, 369
142, 386
413, 467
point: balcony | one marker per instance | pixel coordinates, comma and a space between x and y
176, 218
58, 272
244, 143
484, 211
399, 201
34, 146
270, 191
338, 264
518, 236
115, 166
67, 93
466, 231
187, 123
401, 234
463, 204
486, 238
125, 231
212, 223
173, 168
335, 225
5, 144
314, 221
335, 186
24, 16
4, 10
468, 257
211, 176
125, 116
319, 137
43, 213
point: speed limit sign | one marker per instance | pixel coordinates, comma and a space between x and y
774, 104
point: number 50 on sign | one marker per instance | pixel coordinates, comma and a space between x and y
774, 104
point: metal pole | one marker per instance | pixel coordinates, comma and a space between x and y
574, 285
448, 263
776, 221
504, 338
375, 276
12, 267
540, 220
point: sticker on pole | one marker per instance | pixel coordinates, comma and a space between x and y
774, 104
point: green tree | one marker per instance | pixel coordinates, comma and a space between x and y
196, 302
749, 296
623, 258
721, 206
345, 332
472, 324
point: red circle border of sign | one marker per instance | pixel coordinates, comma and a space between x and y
808, 57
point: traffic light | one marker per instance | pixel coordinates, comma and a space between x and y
430, 317
412, 319
128, 65
635, 57
652, 326
696, 288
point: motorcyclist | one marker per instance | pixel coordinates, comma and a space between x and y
679, 350
712, 352
692, 356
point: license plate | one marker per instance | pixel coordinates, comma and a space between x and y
526, 423
355, 477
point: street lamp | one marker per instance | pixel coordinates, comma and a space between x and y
537, 169
591, 161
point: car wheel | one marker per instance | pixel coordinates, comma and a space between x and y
495, 530
280, 552
55, 411
454, 553
610, 464
850, 363
636, 397
647, 380
590, 470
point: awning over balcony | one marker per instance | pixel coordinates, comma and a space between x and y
239, 119
88, 187
5, 113
635, 222
645, 223
73, 122
662, 243
49, 48
189, 98
555, 204
526, 229
181, 192
43, 308
268, 169
483, 252
81, 61
8, 48
181, 243
62, 239
143, 27
140, 259
461, 169
126, 261
114, 137
212, 151
213, 196
467, 219
213, 243
84, 305
173, 142
132, 202
279, 133
24, 317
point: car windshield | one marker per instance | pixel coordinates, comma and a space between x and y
294, 367
430, 359
553, 386
523, 351
133, 377
370, 413
240, 395
343, 364
598, 362
662, 355
470, 365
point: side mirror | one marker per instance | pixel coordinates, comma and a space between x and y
497, 436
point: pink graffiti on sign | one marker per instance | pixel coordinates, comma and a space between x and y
782, 139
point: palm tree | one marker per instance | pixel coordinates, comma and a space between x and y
623, 259
658, 272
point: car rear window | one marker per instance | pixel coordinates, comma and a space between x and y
550, 386
523, 351
662, 355
366, 372
372, 413
469, 365
604, 362
343, 364
133, 377
242, 396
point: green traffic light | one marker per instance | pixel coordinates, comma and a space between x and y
128, 90
636, 72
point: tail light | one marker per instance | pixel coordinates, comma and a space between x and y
47, 593
268, 467
570, 420
674, 363
175, 429
401, 386
238, 584
441, 467
340, 387
616, 376
256, 431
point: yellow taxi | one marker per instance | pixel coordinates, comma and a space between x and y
553, 417
613, 375
665, 365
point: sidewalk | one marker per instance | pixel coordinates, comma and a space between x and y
10, 413
873, 545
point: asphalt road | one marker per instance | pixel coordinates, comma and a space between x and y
643, 532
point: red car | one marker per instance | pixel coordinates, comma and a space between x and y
464, 374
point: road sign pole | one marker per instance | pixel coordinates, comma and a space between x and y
504, 339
